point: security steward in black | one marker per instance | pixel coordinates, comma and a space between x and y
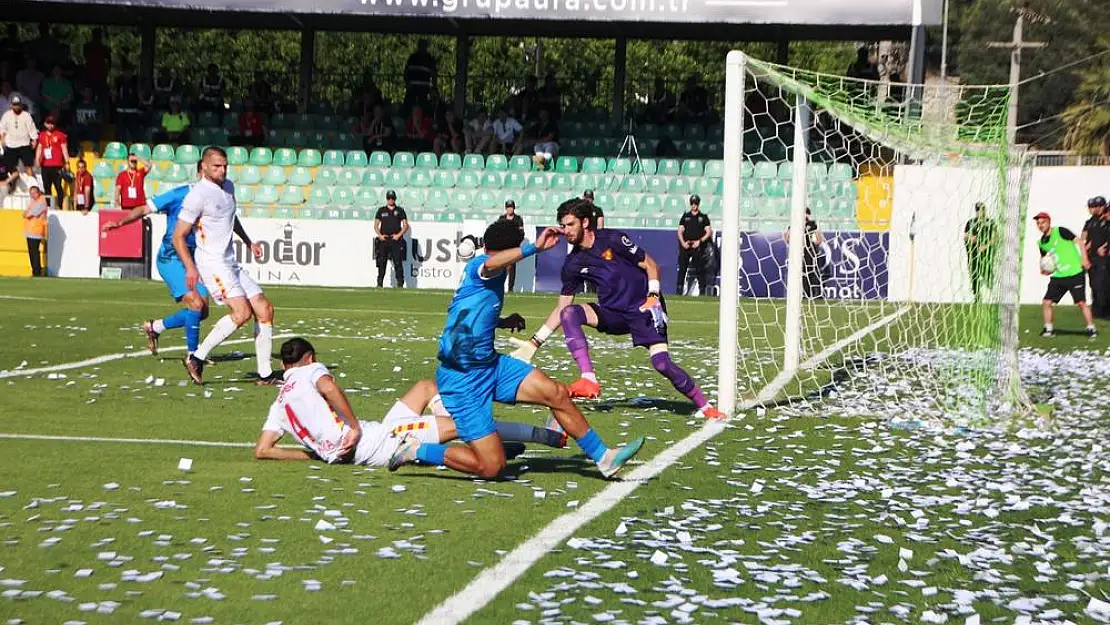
512, 217
694, 238
1096, 236
391, 224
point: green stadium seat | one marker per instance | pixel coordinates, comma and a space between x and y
714, 168
281, 120
693, 167
766, 169
396, 178
305, 121
647, 131
139, 149
357, 158
817, 171
625, 204
515, 180
538, 180
274, 175
437, 199
163, 152
468, 179
445, 178
594, 165
669, 167
821, 206
373, 177
348, 177
156, 173
285, 212
497, 162
693, 132
674, 131
786, 170
404, 160
332, 158
774, 188
420, 178
179, 173
203, 136
208, 118
250, 174
520, 162
319, 196
261, 156
633, 184
839, 172
244, 194
103, 190
585, 181
327, 177
238, 155
487, 199
309, 157
567, 165
292, 196
474, 161
656, 184
427, 160
562, 182
300, 176
368, 197
649, 166
651, 204
461, 199
343, 196
450, 161
750, 187
533, 201
285, 157
844, 208
327, 123
673, 205
680, 185
115, 151
187, 154
705, 187
747, 170
378, 159
412, 197
619, 166
345, 141
491, 179
103, 170
778, 208
267, 195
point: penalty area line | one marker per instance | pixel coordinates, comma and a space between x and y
102, 439
493, 580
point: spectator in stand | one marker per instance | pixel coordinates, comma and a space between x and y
130, 191
862, 67
84, 196
261, 93
175, 124
5, 96
547, 141
166, 88
146, 104
28, 81
693, 105
479, 134
528, 101
371, 98
419, 133
212, 87
420, 75
376, 130
551, 98
17, 134
57, 96
126, 96
52, 158
11, 48
86, 121
46, 49
507, 133
451, 136
98, 60
34, 229
252, 126
661, 107
7, 74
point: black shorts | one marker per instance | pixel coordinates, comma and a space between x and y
12, 156
1076, 285
637, 324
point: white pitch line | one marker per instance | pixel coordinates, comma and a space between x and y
495, 579
101, 439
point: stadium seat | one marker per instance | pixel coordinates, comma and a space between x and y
705, 187
309, 157
244, 194
292, 196
404, 160
487, 199
674, 205
238, 155
468, 179
497, 162
141, 150
650, 204
656, 184
249, 174
649, 166
817, 171
669, 167
326, 177
343, 196
515, 180
203, 136
411, 197
284, 212
491, 179
562, 182
474, 161
274, 175
396, 178
619, 166
680, 185
349, 177
747, 170
450, 161
345, 141
115, 151
714, 168
444, 178
820, 205
594, 165
586, 181
420, 177
332, 158
305, 121
693, 167
840, 172
261, 156
156, 174
427, 160
357, 158
461, 199
786, 170
300, 176
103, 169
533, 201
319, 196
625, 204
567, 165
285, 157
267, 195
373, 177
368, 197
774, 188
179, 173
766, 169
380, 159
520, 162
163, 152
281, 120
437, 199
187, 154
538, 180
633, 184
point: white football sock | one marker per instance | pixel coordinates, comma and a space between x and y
263, 347
436, 405
591, 376
224, 328
158, 326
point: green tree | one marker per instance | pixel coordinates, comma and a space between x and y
1088, 118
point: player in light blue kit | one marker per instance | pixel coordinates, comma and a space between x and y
472, 375
172, 271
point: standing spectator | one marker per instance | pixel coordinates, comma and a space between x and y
547, 140
45, 49
419, 134
862, 68
17, 134
175, 124
1069, 260
390, 223
28, 81
57, 96
130, 191
511, 217
252, 126
98, 60
86, 121
694, 238
599, 215
261, 93
212, 87
377, 131
126, 95
551, 98
84, 196
1096, 238
34, 229
811, 258
52, 158
479, 134
420, 75
165, 88
661, 107
451, 136
146, 104
528, 101
981, 244
506, 133
693, 104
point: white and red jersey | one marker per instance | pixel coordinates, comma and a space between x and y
210, 209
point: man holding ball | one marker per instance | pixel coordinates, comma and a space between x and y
1065, 261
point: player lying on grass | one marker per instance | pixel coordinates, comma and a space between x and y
472, 375
314, 411
628, 302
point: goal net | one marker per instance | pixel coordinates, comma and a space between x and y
875, 230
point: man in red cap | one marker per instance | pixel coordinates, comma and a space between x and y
1065, 261
52, 158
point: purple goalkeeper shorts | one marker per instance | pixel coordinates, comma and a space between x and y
634, 322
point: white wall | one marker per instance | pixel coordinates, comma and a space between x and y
73, 245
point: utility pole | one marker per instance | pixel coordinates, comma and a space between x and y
1016, 45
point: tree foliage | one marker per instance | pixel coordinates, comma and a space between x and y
1088, 118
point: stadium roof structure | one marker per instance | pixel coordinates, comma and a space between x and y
739, 20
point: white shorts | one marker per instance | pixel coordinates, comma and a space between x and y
226, 281
380, 440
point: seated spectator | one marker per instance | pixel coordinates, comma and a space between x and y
419, 134
84, 197
57, 94
175, 125
666, 148
87, 120
28, 81
451, 135
376, 130
551, 98
371, 98
252, 126
507, 133
693, 105
547, 140
661, 106
479, 134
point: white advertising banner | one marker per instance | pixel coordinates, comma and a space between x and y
309, 252
73, 245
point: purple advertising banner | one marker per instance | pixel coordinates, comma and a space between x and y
853, 265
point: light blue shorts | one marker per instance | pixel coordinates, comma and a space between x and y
172, 271
469, 395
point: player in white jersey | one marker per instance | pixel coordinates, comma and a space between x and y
209, 208
314, 411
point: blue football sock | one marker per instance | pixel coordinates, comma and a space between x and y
592, 445
192, 330
177, 320
430, 453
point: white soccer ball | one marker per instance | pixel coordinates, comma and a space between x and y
1048, 263
467, 247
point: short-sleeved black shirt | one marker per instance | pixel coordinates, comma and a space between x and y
391, 220
693, 226
1097, 231
515, 220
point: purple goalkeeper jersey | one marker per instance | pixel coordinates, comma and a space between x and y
612, 265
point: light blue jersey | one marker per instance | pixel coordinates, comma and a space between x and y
468, 337
169, 204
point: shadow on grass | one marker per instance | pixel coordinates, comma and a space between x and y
577, 465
